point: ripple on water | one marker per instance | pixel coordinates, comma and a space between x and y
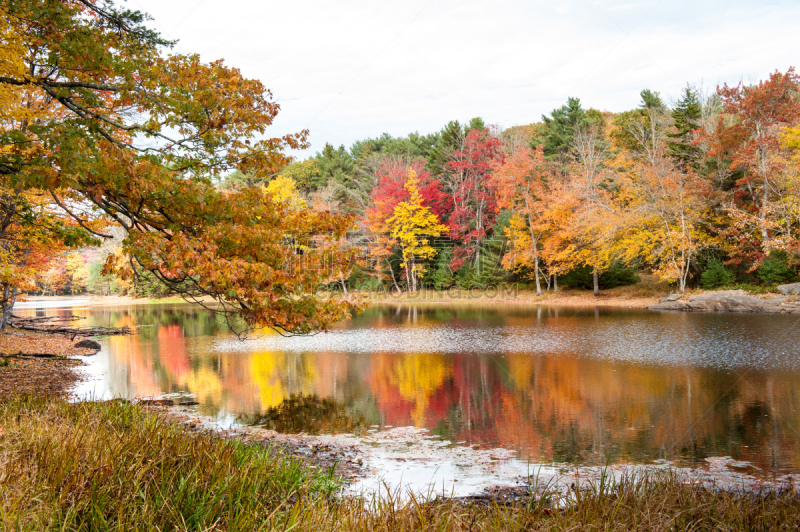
664, 340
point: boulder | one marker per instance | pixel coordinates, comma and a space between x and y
88, 344
671, 297
789, 289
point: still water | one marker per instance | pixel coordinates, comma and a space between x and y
577, 386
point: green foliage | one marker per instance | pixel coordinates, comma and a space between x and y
562, 124
686, 116
145, 284
448, 140
97, 283
617, 274
443, 277
414, 145
238, 180
776, 270
716, 275
334, 165
651, 100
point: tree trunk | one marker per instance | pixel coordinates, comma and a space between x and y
7, 304
391, 272
555, 282
536, 274
763, 221
596, 279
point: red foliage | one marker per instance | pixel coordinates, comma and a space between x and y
759, 113
391, 191
475, 207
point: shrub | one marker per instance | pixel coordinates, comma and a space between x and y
618, 274
776, 270
716, 274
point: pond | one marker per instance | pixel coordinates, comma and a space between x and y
587, 386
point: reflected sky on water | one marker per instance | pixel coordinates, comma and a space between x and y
583, 386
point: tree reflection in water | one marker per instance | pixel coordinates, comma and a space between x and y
309, 414
556, 385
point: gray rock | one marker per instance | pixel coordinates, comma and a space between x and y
671, 297
730, 303
789, 289
88, 344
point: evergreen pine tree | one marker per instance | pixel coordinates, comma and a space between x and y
686, 115
560, 128
334, 165
651, 100
449, 139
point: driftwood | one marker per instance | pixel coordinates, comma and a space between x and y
57, 325
30, 355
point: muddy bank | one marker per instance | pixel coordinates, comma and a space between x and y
38, 364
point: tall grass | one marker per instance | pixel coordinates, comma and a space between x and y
115, 466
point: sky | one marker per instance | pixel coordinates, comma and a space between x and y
350, 70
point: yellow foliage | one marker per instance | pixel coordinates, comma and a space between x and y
12, 51
413, 225
417, 377
283, 189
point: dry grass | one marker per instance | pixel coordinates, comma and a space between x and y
116, 466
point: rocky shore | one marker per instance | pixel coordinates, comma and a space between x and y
735, 301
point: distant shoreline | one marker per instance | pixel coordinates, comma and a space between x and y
633, 297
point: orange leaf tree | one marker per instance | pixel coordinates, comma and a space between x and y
139, 134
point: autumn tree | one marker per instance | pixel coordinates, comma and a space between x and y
388, 193
139, 134
593, 223
748, 135
523, 186
468, 181
413, 226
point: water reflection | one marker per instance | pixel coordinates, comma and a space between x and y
566, 386
308, 414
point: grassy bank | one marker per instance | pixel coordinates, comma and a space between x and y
118, 466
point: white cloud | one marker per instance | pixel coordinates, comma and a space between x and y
351, 70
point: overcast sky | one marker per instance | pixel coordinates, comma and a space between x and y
353, 69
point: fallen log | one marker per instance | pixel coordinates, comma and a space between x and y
40, 324
30, 355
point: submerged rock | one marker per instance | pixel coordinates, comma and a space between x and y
789, 289
89, 344
730, 303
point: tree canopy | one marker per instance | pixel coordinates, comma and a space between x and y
114, 121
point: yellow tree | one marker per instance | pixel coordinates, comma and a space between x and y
668, 220
668, 209
284, 189
412, 227
523, 186
590, 232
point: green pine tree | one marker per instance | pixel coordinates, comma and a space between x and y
687, 114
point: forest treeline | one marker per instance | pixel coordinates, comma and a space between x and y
705, 191
702, 192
